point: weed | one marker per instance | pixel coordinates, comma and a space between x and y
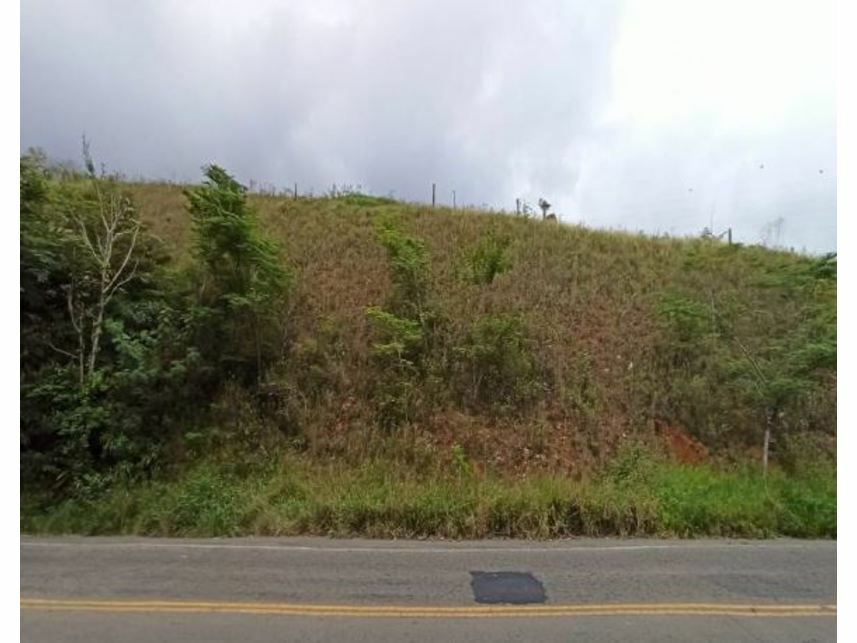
487, 259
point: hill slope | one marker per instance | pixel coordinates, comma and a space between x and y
592, 305
426, 372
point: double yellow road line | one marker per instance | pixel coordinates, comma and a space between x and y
406, 611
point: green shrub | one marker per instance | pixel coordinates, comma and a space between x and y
405, 330
365, 200
495, 366
487, 259
409, 266
688, 323
400, 358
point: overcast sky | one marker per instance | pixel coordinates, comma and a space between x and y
661, 116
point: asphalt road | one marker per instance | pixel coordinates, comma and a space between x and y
130, 589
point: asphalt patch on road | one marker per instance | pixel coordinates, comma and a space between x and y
517, 588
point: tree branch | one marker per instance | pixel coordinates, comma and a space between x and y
118, 273
63, 351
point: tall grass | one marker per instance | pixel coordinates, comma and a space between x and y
384, 499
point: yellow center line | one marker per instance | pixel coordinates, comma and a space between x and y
406, 611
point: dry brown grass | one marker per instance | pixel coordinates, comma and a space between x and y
589, 299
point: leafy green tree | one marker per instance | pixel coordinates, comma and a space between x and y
104, 361
243, 281
788, 368
773, 360
43, 273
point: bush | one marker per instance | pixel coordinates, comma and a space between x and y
495, 366
409, 266
405, 328
487, 260
400, 356
365, 200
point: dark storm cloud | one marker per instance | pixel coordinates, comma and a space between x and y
389, 95
493, 100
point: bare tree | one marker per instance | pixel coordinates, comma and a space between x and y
108, 241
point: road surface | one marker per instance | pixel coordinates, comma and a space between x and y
307, 589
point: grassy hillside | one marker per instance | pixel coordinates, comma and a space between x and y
590, 302
468, 373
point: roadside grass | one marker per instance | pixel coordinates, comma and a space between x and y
384, 500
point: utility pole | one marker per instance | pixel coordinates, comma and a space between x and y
518, 207
296, 190
453, 199
433, 186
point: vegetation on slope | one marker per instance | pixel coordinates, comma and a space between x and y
455, 362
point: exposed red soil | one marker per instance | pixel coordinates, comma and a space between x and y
681, 446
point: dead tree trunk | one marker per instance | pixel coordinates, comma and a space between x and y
767, 442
